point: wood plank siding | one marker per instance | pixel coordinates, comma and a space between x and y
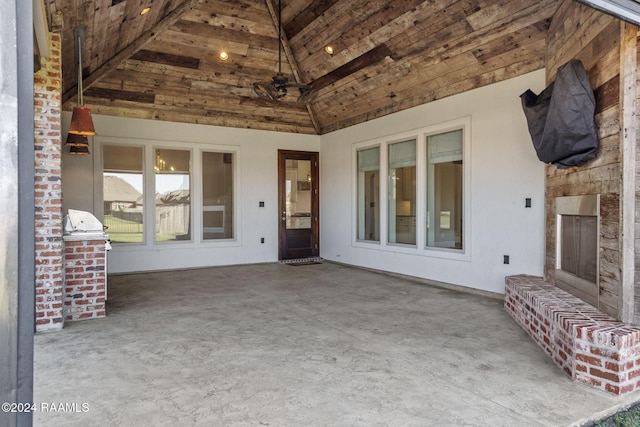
602, 44
389, 56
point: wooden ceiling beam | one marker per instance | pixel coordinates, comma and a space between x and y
372, 57
307, 16
292, 60
134, 47
170, 59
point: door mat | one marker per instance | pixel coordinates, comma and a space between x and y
302, 261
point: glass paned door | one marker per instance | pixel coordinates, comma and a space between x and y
299, 204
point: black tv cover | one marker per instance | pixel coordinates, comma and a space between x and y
561, 119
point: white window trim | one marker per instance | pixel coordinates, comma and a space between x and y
151, 199
420, 249
379, 143
196, 150
199, 216
99, 184
354, 178
396, 140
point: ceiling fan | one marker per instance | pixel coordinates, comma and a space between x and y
277, 87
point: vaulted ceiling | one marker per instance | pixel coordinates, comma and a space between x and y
389, 55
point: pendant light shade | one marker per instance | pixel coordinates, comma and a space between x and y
81, 122
79, 149
75, 140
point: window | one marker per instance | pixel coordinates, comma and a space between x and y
217, 195
123, 194
402, 193
172, 195
298, 194
154, 196
444, 190
425, 174
368, 194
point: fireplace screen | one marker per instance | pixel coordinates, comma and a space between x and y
577, 246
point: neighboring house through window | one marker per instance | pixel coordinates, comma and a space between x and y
173, 195
123, 193
177, 214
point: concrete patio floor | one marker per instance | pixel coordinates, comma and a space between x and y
314, 345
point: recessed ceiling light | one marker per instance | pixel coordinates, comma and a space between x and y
223, 56
145, 11
329, 50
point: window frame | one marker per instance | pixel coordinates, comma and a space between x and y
382, 188
416, 141
420, 135
234, 201
196, 149
192, 238
357, 194
100, 169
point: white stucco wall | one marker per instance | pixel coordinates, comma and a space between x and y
257, 173
504, 171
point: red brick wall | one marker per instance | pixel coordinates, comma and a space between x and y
48, 189
85, 278
592, 347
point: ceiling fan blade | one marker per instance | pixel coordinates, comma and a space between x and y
277, 87
267, 90
307, 94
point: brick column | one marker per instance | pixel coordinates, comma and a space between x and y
48, 189
85, 277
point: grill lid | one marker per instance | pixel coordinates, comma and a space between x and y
82, 222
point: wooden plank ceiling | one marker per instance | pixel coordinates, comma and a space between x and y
389, 55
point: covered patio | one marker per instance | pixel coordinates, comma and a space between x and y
323, 344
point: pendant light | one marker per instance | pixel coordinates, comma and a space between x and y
277, 88
79, 149
81, 122
75, 140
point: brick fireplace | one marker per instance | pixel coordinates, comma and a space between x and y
608, 50
585, 312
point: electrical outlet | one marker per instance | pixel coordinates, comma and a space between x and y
261, 204
527, 202
262, 240
506, 259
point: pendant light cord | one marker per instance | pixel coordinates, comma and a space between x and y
279, 36
80, 98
